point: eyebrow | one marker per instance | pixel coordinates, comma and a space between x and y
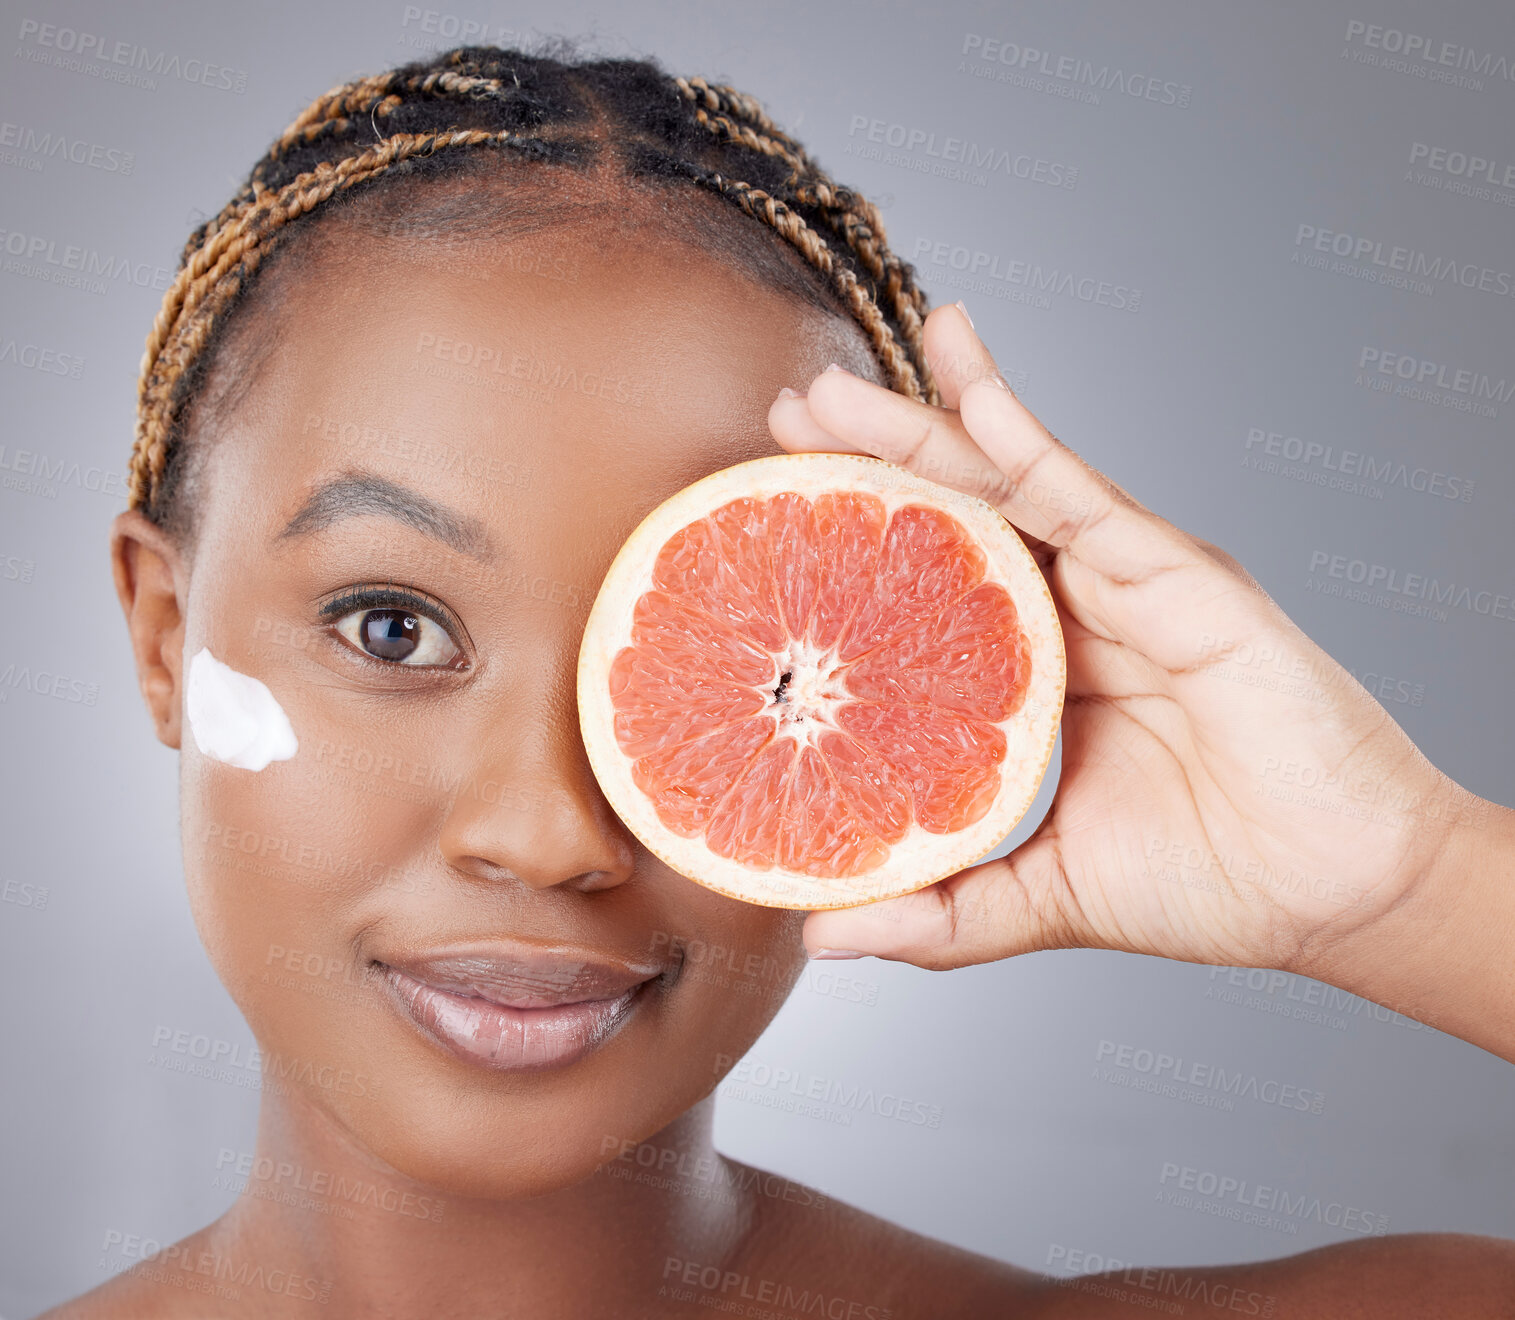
354, 494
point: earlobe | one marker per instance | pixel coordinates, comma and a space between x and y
152, 589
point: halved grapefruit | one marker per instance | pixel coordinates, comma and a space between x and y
817, 680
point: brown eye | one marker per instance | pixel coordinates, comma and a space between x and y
400, 636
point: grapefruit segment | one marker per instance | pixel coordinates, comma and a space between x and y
748, 819
721, 565
969, 659
851, 528
686, 782
815, 680
677, 630
925, 562
877, 796
794, 543
659, 707
947, 762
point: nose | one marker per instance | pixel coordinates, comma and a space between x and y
530, 811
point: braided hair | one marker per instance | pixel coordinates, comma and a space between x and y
441, 117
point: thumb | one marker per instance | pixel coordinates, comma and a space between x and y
1013, 904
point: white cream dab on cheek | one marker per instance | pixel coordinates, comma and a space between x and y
234, 717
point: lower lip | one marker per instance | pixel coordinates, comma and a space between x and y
509, 1039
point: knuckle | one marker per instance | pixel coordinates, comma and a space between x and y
996, 487
1226, 560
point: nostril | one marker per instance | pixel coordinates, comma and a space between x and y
590, 881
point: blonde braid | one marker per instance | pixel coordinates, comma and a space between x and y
848, 214
207, 282
629, 98
902, 372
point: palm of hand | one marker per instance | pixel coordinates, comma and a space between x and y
1200, 816
1228, 793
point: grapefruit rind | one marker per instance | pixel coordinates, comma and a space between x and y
921, 858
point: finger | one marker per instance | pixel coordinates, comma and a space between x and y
795, 428
1013, 904
958, 356
1231, 564
955, 353
992, 448
950, 459
929, 441
1124, 572
1129, 573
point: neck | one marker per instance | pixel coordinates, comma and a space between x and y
321, 1217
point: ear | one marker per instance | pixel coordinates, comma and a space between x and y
152, 585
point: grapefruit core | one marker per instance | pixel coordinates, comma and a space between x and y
817, 680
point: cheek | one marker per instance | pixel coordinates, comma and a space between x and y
286, 867
288, 861
236, 771
233, 717
738, 964
289, 865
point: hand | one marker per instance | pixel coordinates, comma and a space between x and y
1229, 794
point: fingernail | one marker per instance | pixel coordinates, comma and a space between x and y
838, 953
833, 367
964, 311
787, 393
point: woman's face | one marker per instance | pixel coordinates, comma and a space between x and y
482, 439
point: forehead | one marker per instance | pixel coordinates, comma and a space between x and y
586, 368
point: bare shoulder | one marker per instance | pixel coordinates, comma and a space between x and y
1411, 1276
839, 1259
148, 1288
814, 1252
115, 1299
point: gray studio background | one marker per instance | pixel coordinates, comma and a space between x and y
1260, 119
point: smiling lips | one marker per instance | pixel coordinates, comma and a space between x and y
515, 1008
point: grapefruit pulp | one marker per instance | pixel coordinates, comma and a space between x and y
817, 680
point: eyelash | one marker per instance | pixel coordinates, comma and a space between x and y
354, 600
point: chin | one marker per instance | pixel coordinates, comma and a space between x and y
514, 1145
